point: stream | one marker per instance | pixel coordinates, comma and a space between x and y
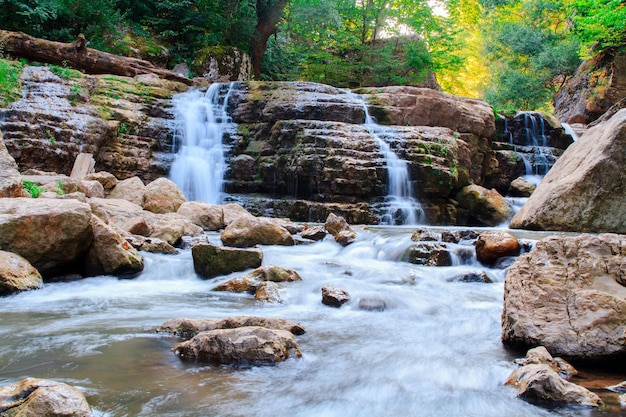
435, 350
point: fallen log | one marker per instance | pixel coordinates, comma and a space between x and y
77, 55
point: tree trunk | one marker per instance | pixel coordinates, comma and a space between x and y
77, 55
268, 14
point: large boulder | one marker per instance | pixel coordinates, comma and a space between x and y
162, 196
585, 190
485, 207
250, 231
131, 189
49, 233
210, 260
190, 327
568, 294
240, 346
207, 216
490, 246
17, 274
31, 397
109, 253
10, 183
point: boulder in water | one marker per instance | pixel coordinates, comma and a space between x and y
428, 253
240, 346
32, 397
188, 328
250, 231
490, 246
268, 292
339, 228
519, 187
334, 297
568, 294
275, 274
17, 274
162, 196
485, 207
49, 233
540, 355
210, 261
585, 191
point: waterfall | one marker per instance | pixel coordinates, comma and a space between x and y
201, 122
401, 205
570, 131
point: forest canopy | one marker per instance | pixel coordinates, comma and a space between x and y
516, 54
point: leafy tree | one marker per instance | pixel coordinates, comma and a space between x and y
600, 25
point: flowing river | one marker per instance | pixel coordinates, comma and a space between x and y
435, 350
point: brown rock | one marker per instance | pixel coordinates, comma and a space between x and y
519, 187
109, 253
275, 274
190, 327
540, 355
268, 292
240, 346
428, 253
131, 189
10, 183
49, 233
239, 284
314, 233
487, 207
83, 166
163, 196
116, 211
31, 397
541, 382
493, 245
207, 216
334, 297
137, 226
91, 188
210, 261
585, 190
170, 227
339, 228
568, 295
107, 179
250, 231
17, 274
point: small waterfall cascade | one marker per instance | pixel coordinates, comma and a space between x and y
570, 131
201, 122
401, 206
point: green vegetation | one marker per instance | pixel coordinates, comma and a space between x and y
32, 188
10, 84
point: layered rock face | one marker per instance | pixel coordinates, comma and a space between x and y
308, 142
569, 295
122, 121
585, 191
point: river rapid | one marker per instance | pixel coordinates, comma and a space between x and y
435, 350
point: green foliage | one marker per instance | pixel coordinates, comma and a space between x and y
599, 25
65, 72
10, 84
32, 188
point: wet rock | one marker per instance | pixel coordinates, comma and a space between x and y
519, 187
275, 274
17, 274
49, 233
109, 253
577, 194
207, 216
210, 261
372, 304
540, 355
240, 346
339, 228
457, 236
491, 246
334, 297
422, 235
162, 196
155, 245
268, 292
486, 207
239, 284
32, 397
568, 295
131, 189
428, 253
10, 182
541, 382
314, 233
250, 231
188, 328
472, 276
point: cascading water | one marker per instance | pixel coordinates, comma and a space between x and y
401, 206
201, 122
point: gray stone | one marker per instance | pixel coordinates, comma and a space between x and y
210, 261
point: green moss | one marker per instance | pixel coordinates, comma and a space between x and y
10, 83
65, 72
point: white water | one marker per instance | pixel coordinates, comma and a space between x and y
201, 121
570, 131
401, 206
435, 351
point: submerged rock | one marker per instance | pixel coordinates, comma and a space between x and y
568, 294
188, 328
32, 397
585, 191
269, 292
210, 261
240, 346
17, 274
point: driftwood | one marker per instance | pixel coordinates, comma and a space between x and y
77, 55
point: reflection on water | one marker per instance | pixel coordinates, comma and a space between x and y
435, 351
